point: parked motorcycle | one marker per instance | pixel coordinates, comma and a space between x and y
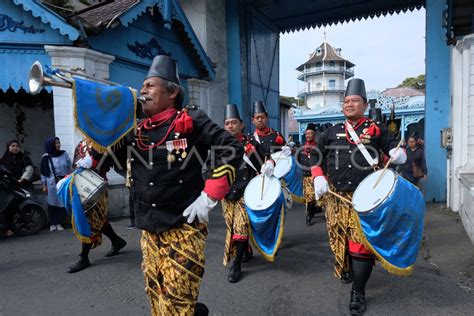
18, 212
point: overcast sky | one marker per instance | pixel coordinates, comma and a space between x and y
385, 50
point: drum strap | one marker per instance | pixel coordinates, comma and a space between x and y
257, 138
371, 161
247, 160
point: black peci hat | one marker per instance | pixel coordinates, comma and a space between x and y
356, 86
312, 127
231, 111
259, 107
164, 67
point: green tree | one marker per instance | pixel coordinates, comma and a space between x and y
292, 100
414, 82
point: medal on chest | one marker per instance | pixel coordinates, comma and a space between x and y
176, 149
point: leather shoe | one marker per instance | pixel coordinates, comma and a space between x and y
80, 264
358, 303
234, 273
116, 246
346, 277
201, 310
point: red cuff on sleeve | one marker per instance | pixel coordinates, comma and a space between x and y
217, 188
94, 163
316, 171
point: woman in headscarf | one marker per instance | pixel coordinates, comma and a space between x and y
17, 162
55, 165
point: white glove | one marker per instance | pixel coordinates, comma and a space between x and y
267, 168
286, 150
398, 156
85, 162
200, 207
321, 186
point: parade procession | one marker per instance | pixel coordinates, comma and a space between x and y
162, 125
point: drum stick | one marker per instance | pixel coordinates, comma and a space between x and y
341, 197
263, 181
386, 166
281, 154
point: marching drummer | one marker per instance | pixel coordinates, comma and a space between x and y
236, 219
86, 157
349, 152
308, 156
267, 139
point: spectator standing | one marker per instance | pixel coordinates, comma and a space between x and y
414, 169
55, 165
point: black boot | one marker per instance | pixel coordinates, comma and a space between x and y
117, 242
361, 269
358, 303
81, 263
235, 271
310, 211
116, 247
201, 310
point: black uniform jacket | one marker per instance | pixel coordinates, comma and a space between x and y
245, 173
165, 180
308, 156
343, 162
267, 144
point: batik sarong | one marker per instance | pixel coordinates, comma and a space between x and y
310, 200
237, 223
342, 228
97, 218
173, 266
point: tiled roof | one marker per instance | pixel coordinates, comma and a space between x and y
325, 52
402, 92
102, 15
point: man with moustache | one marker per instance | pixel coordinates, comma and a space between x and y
171, 198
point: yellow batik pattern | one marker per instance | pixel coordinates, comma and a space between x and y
173, 266
342, 226
96, 217
237, 223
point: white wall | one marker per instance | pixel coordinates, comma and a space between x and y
460, 197
328, 99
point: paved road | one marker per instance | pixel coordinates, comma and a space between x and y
33, 280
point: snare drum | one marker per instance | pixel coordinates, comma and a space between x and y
90, 187
391, 216
266, 213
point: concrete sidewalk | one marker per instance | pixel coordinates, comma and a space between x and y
446, 248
